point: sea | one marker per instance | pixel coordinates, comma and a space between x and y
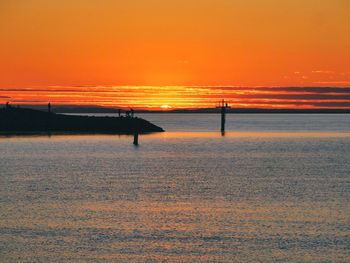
272, 188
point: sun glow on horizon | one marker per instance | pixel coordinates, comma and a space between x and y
165, 107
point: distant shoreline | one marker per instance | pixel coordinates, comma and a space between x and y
251, 112
97, 109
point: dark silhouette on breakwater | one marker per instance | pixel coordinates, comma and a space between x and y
21, 121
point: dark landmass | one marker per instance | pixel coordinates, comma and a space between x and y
22, 121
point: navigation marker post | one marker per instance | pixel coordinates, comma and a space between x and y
223, 106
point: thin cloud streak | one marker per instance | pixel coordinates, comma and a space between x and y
181, 96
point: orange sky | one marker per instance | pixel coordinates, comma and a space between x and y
149, 53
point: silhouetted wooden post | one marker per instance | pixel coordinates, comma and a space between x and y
136, 132
136, 138
48, 125
119, 112
223, 106
223, 118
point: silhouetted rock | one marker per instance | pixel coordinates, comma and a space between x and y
20, 120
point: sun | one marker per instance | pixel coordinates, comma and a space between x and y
165, 107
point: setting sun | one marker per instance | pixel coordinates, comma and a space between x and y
165, 107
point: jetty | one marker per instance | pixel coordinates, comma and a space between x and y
14, 120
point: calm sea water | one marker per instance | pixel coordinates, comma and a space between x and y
275, 188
